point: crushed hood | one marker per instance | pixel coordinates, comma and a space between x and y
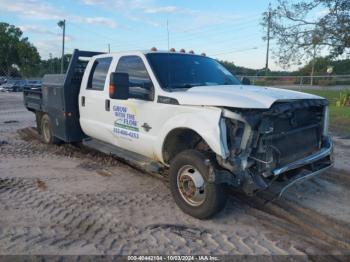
239, 96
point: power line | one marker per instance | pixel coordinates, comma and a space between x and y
176, 35
189, 38
221, 43
220, 52
201, 29
214, 26
216, 32
163, 40
236, 51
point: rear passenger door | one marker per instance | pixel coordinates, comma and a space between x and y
92, 97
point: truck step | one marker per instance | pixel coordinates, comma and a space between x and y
131, 158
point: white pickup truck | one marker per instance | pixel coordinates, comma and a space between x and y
186, 116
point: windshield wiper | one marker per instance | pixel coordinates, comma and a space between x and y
186, 86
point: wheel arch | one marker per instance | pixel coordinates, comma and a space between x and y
178, 140
203, 121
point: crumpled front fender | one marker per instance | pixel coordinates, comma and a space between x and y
204, 121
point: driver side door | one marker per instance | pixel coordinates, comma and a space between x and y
134, 120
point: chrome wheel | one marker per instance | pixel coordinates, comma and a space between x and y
191, 185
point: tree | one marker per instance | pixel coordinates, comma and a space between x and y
303, 28
320, 66
244, 71
340, 67
53, 65
17, 53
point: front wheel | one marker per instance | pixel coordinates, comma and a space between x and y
190, 187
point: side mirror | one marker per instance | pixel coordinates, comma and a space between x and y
245, 81
119, 86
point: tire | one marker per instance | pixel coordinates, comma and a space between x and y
187, 169
46, 130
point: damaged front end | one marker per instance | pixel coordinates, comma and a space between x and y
287, 143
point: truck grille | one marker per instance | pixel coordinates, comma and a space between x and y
296, 133
290, 146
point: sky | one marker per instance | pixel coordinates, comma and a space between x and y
226, 29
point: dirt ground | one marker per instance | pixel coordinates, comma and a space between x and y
69, 200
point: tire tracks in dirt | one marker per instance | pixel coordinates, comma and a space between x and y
96, 222
329, 232
78, 220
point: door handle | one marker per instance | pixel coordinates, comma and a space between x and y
107, 105
83, 101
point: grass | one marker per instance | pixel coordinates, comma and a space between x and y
339, 116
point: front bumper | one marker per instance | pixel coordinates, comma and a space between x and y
326, 151
290, 174
306, 168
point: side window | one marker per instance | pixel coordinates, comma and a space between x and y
98, 73
140, 84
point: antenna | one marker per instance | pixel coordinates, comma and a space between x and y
167, 29
168, 58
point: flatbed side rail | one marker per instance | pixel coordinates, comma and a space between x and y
33, 99
59, 98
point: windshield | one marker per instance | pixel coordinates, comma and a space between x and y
176, 71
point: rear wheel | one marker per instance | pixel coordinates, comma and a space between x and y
46, 130
190, 187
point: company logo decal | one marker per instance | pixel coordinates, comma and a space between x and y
126, 123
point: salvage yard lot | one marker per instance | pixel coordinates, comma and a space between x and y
68, 200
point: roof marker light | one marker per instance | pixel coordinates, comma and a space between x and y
154, 49
203, 54
191, 52
172, 49
182, 50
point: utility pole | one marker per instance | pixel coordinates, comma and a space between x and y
62, 24
313, 67
50, 64
268, 40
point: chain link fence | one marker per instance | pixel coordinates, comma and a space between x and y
332, 87
51, 66
333, 82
